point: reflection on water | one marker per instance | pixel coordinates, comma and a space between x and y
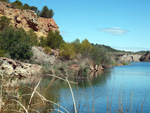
122, 88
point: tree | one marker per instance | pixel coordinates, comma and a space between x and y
51, 13
67, 51
16, 43
85, 46
46, 13
54, 40
77, 45
4, 22
26, 6
5, 1
17, 4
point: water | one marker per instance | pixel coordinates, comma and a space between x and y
119, 88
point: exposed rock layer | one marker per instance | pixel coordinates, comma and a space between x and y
15, 68
27, 19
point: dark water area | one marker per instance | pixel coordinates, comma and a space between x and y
121, 88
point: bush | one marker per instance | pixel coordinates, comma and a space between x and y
86, 47
2, 53
54, 40
16, 43
42, 42
99, 56
5, 1
17, 4
4, 22
47, 50
77, 46
67, 51
33, 37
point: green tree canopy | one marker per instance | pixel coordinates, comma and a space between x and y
85, 46
16, 43
54, 40
5, 1
67, 51
46, 13
17, 4
77, 45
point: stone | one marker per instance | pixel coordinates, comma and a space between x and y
8, 69
21, 69
40, 57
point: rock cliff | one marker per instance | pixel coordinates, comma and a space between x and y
27, 19
126, 57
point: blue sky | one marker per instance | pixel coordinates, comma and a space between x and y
121, 24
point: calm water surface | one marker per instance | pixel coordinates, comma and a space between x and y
124, 88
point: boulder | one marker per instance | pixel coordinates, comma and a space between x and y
17, 68
41, 57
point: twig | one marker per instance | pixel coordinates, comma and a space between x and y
61, 78
34, 92
72, 95
20, 105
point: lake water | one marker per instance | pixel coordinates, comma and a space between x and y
121, 88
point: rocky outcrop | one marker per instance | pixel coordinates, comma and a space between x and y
42, 58
15, 68
27, 19
126, 57
145, 57
130, 58
96, 68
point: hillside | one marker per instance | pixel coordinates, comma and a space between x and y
27, 19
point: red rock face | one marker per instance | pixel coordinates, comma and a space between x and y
46, 24
27, 19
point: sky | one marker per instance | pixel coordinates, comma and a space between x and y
121, 24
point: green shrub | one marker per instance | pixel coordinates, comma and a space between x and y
67, 51
2, 53
4, 22
17, 4
99, 56
16, 43
47, 50
77, 46
42, 42
54, 39
5, 1
33, 37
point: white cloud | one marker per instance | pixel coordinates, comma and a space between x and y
114, 30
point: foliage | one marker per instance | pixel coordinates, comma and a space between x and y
47, 50
86, 47
67, 51
33, 37
77, 46
46, 13
4, 22
17, 4
16, 43
54, 39
42, 42
5, 1
2, 53
99, 56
